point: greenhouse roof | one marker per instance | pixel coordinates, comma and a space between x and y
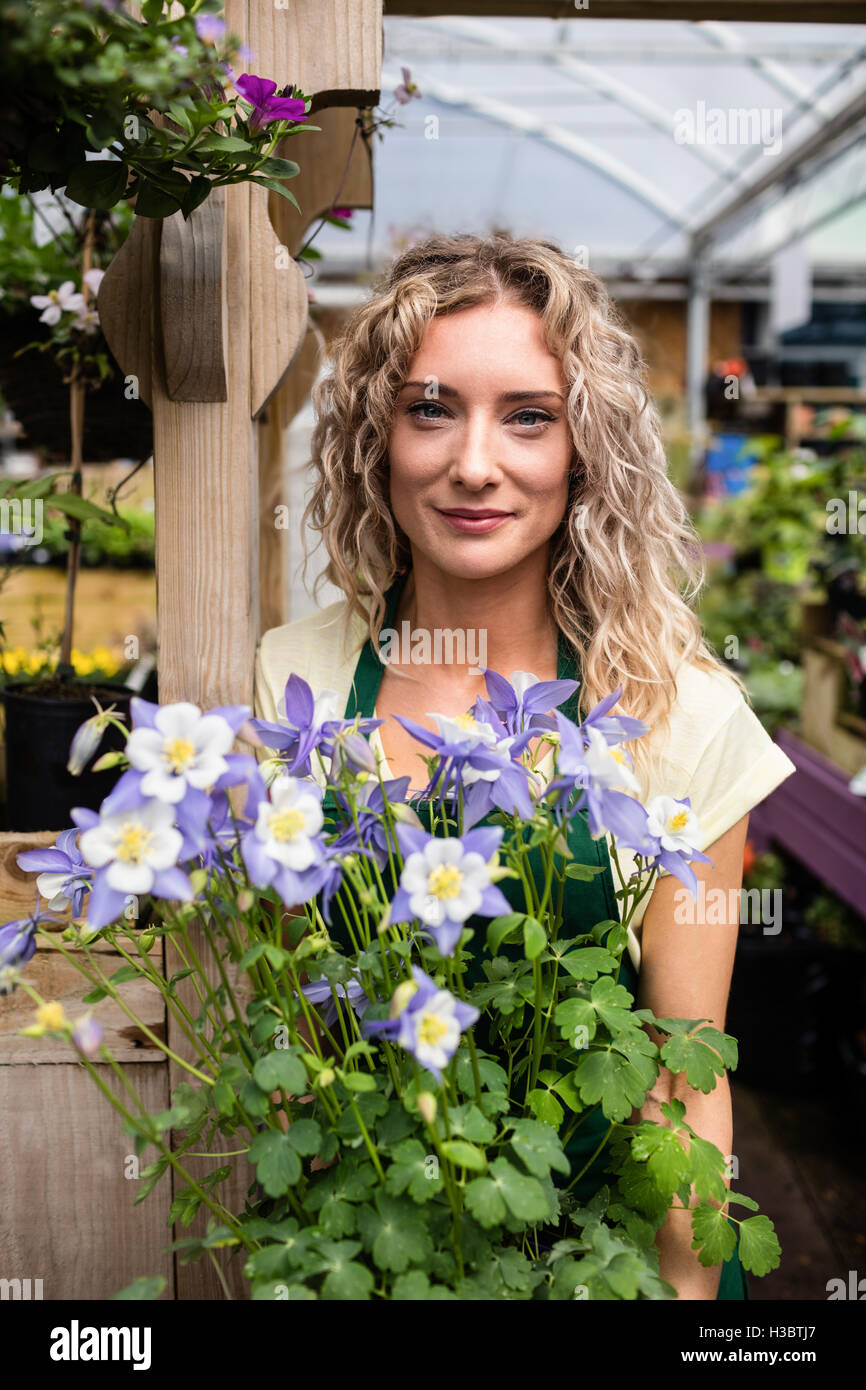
641, 141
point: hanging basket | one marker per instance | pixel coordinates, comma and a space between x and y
32, 386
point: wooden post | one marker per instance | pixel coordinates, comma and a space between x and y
209, 314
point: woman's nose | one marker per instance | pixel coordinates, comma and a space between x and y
475, 460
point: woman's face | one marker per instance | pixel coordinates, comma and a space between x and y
480, 427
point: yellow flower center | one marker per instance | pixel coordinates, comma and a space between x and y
444, 881
286, 825
178, 752
133, 843
51, 1015
467, 722
432, 1029
677, 821
618, 756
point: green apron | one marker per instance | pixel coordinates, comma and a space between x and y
584, 904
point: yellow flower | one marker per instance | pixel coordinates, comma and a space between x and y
51, 1015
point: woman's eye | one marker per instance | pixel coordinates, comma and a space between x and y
420, 406
536, 417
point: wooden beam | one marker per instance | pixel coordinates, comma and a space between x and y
756, 11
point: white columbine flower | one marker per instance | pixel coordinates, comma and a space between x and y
673, 822
608, 765
135, 844
433, 1031
287, 823
185, 749
443, 882
465, 727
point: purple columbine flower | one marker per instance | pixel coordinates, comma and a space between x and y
318, 992
285, 849
517, 700
87, 1036
18, 938
267, 107
312, 723
445, 881
427, 1023
63, 875
135, 852
477, 755
675, 826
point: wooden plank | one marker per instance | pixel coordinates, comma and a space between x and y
278, 310
125, 301
67, 1214
332, 50
192, 298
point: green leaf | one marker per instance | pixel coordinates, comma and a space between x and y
78, 507
759, 1247
572, 1014
305, 1136
281, 1068
700, 1063
414, 1171
666, 1160
484, 1200
348, 1280
713, 1235
222, 144
501, 928
141, 1290
251, 956
534, 938
277, 1164
98, 183
358, 1081
545, 1107
584, 872
524, 1197
587, 962
465, 1155
279, 168
609, 1078
94, 995
276, 188
539, 1147
152, 201
126, 972
396, 1233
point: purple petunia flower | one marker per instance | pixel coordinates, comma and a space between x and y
267, 107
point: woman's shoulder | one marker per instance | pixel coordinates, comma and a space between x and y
319, 647
707, 702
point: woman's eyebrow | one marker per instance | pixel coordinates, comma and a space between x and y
444, 390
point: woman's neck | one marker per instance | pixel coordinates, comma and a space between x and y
505, 617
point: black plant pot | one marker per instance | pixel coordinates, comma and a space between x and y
40, 792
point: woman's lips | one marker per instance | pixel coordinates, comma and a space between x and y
475, 525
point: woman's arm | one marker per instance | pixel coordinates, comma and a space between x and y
686, 973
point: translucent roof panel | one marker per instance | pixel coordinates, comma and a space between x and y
621, 136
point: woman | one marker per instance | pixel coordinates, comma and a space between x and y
488, 462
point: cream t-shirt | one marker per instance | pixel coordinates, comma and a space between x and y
716, 751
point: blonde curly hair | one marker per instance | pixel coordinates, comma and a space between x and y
625, 561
